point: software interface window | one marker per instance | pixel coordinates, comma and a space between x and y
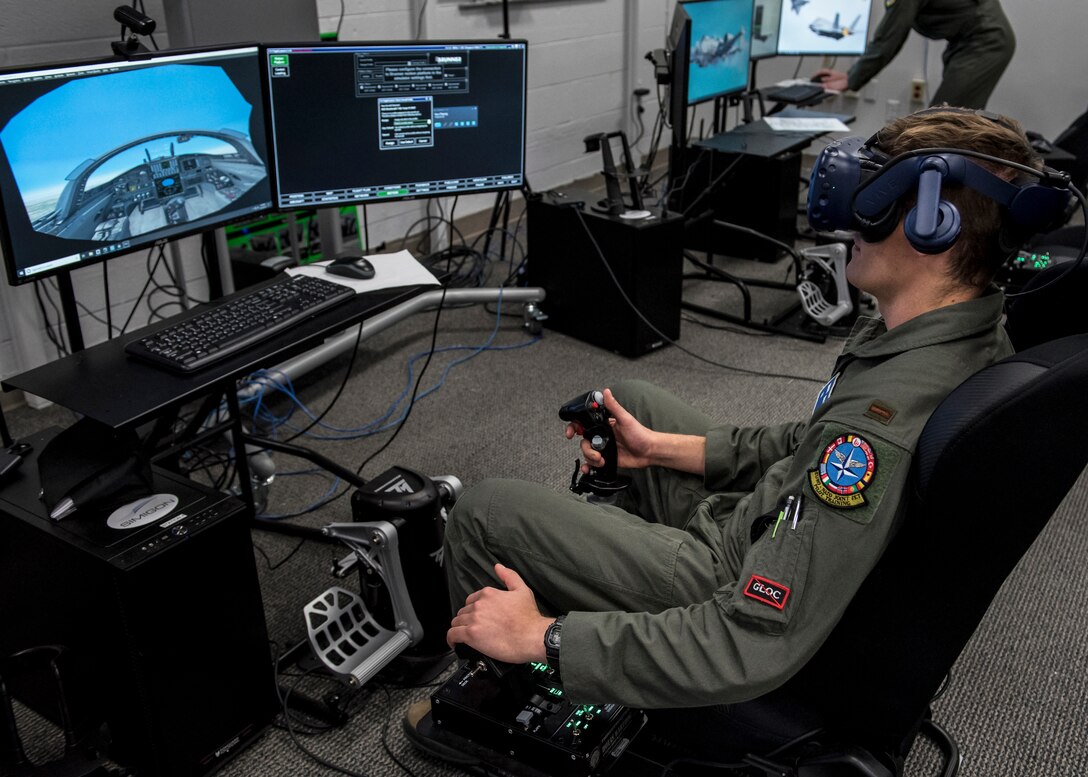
419, 120
99, 159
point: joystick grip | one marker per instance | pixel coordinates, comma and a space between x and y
588, 411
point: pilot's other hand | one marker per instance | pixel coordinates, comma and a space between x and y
833, 80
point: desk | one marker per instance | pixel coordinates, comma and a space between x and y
103, 383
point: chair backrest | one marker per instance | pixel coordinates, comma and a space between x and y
967, 526
1074, 139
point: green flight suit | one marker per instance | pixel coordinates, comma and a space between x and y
980, 45
708, 598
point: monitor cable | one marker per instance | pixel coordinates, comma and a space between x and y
339, 391
339, 21
56, 338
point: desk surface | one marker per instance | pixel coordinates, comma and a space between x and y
103, 383
759, 139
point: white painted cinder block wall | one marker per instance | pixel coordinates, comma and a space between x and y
586, 58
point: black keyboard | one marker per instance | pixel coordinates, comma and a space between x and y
795, 93
237, 323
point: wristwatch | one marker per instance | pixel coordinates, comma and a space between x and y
551, 643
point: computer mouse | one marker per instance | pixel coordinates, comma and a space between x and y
352, 266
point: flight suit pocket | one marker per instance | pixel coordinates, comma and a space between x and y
772, 580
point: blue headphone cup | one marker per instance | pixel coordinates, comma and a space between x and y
945, 234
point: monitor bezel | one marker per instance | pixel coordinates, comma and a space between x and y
691, 42
6, 242
267, 86
774, 52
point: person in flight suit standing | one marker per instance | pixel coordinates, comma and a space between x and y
736, 550
980, 45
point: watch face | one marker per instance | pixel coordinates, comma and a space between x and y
552, 635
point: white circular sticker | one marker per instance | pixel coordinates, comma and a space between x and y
142, 512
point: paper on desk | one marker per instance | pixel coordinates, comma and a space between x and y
805, 124
390, 271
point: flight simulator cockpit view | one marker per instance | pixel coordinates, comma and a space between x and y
151, 183
144, 150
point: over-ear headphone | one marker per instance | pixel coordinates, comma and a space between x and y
857, 186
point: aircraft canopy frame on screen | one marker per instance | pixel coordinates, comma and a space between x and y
105, 157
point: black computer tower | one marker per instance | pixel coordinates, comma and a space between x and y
582, 299
758, 192
162, 620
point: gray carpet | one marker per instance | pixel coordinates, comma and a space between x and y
1017, 703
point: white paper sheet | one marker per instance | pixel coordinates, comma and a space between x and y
390, 271
805, 125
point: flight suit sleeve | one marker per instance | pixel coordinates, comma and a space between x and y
737, 457
886, 42
794, 585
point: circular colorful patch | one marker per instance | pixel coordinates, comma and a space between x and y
847, 465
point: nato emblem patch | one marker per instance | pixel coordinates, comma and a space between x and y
845, 470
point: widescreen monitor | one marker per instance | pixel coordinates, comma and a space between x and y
374, 122
720, 48
765, 17
107, 157
824, 27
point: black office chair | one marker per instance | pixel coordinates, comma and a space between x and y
1049, 308
1074, 139
870, 685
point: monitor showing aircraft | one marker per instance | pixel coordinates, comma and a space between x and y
834, 29
720, 48
806, 28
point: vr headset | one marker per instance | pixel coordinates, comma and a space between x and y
856, 186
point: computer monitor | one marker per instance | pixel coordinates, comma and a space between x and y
765, 18
101, 158
824, 27
678, 49
373, 122
720, 48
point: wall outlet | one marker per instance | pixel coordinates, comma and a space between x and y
918, 90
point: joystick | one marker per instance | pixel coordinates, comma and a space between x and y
589, 412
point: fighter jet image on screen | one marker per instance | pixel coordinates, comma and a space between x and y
710, 48
795, 5
833, 29
161, 180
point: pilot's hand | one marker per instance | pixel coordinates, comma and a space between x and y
503, 624
633, 440
832, 80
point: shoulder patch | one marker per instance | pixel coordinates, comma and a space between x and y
767, 591
825, 392
846, 468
